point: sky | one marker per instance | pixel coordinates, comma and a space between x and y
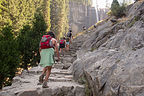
102, 3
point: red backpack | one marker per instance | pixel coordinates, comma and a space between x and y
62, 42
46, 42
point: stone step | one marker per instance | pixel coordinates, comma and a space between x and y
63, 66
58, 66
38, 70
56, 77
60, 79
54, 89
65, 72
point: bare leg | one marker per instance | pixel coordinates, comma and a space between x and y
70, 41
60, 50
44, 70
48, 73
48, 68
67, 47
63, 50
42, 75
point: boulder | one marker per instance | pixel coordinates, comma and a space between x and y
111, 59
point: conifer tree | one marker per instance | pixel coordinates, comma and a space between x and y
9, 55
59, 17
117, 10
29, 39
114, 7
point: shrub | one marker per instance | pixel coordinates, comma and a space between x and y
117, 10
9, 56
29, 39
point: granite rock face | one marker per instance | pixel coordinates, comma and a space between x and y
81, 15
112, 56
84, 15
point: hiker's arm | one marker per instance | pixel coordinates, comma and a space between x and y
56, 49
72, 37
39, 50
65, 41
39, 47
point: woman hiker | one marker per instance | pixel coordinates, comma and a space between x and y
62, 44
48, 45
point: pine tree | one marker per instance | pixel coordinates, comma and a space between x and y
29, 39
114, 7
39, 28
9, 55
59, 17
18, 12
117, 10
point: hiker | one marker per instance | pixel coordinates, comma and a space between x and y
95, 26
62, 44
84, 28
48, 44
67, 43
69, 35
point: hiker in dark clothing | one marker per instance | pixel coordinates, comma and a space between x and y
84, 28
69, 35
95, 26
62, 44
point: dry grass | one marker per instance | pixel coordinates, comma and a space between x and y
123, 19
78, 34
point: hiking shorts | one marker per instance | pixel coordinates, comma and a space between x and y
47, 57
67, 43
62, 45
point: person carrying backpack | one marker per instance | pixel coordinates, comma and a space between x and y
47, 45
67, 43
69, 35
62, 44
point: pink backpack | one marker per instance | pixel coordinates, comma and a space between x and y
62, 42
46, 42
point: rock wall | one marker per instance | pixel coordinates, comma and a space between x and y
81, 15
111, 57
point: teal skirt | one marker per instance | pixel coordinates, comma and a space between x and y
47, 57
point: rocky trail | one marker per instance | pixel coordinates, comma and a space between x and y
60, 82
108, 58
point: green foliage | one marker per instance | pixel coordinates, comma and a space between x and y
92, 49
117, 10
83, 80
39, 28
132, 22
29, 39
59, 17
85, 2
22, 50
25, 46
46, 12
9, 55
21, 12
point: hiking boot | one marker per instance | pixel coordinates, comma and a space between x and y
41, 78
39, 83
44, 85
